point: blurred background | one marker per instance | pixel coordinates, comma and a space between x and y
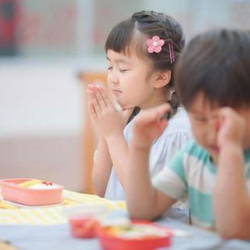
43, 47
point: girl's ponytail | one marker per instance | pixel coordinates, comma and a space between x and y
174, 101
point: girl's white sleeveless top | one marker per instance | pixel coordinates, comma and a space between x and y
176, 134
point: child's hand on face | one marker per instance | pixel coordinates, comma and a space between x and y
106, 118
230, 127
149, 125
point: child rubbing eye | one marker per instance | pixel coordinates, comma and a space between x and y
213, 82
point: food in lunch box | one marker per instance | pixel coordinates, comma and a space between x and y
137, 235
109, 221
135, 231
37, 184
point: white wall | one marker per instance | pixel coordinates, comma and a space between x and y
42, 119
42, 98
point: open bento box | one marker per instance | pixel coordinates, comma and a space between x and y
136, 235
116, 233
31, 192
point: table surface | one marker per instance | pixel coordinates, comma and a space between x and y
58, 237
47, 228
11, 213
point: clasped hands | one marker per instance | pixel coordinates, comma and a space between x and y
107, 120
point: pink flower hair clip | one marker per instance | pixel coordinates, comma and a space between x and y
155, 44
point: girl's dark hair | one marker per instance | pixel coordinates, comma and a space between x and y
217, 64
141, 26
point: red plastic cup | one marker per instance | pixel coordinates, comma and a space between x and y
83, 227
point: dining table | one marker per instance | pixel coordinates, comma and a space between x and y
47, 227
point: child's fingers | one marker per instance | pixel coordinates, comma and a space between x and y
89, 86
154, 114
95, 95
126, 113
223, 115
98, 93
105, 97
162, 124
92, 111
215, 121
96, 105
163, 112
157, 113
93, 87
90, 95
100, 96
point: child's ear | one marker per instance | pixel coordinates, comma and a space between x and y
162, 78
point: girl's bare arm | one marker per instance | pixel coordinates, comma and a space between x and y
110, 124
101, 168
143, 200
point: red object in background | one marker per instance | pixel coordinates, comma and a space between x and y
8, 23
112, 242
83, 227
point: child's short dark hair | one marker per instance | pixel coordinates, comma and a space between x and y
141, 26
216, 63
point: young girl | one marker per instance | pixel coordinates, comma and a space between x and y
141, 53
213, 81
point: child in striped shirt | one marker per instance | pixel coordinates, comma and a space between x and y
213, 83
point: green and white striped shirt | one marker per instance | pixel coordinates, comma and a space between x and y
192, 173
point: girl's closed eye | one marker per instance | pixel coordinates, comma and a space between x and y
123, 69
